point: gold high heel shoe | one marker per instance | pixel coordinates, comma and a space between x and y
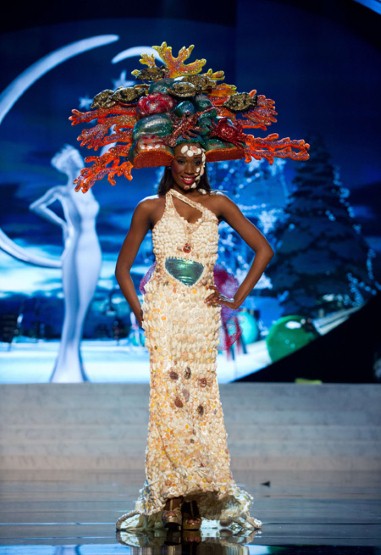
191, 517
171, 516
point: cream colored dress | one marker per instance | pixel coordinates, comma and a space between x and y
187, 453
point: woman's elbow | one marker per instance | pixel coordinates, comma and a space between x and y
267, 252
120, 272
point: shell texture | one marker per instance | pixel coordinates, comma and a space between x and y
187, 452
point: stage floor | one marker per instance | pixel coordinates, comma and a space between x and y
62, 513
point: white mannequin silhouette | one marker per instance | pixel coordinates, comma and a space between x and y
81, 260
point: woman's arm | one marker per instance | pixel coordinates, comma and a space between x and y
140, 224
230, 212
40, 206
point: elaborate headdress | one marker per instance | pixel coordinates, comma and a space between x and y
176, 103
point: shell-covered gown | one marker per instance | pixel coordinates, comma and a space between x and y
187, 453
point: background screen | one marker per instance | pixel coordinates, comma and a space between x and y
310, 315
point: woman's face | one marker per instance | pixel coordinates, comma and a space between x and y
188, 165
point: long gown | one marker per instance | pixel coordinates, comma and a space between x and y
187, 453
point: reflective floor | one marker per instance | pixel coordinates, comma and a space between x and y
303, 513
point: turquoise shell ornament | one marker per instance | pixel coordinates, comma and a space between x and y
184, 270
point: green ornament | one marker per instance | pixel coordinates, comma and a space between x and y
211, 114
288, 334
160, 86
184, 107
157, 124
214, 144
202, 102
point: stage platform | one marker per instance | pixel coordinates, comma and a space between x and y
303, 512
72, 458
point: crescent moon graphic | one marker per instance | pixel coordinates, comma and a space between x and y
134, 51
9, 97
10, 247
29, 76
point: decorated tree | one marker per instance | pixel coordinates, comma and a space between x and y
322, 261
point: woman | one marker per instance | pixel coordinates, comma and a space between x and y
187, 456
181, 119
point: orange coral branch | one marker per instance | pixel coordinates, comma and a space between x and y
99, 136
89, 175
148, 60
271, 147
110, 128
101, 114
215, 75
176, 66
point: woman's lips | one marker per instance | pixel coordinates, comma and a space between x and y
188, 180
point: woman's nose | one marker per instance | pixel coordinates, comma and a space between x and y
190, 167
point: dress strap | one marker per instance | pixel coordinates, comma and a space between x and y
197, 205
192, 203
203, 209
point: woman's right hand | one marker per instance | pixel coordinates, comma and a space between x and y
139, 319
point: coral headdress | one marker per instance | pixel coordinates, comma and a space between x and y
174, 103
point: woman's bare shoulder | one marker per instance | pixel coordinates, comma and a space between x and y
151, 208
151, 202
219, 198
220, 195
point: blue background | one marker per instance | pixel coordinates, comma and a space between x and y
320, 63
